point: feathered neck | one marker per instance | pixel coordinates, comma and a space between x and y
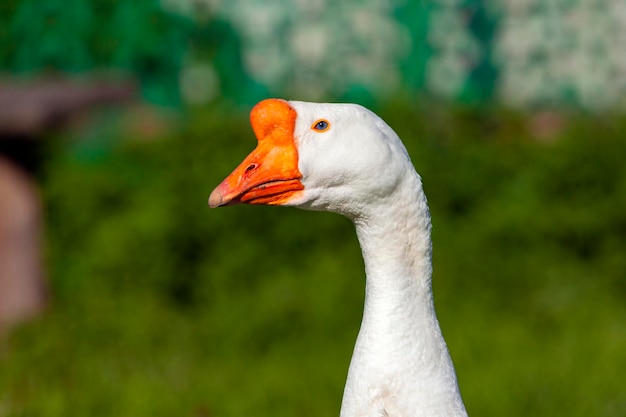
401, 365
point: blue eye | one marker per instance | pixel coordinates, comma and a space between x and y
321, 125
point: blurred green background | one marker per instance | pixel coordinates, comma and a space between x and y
161, 307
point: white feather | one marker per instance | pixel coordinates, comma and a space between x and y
360, 168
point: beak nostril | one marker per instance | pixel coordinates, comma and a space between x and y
251, 168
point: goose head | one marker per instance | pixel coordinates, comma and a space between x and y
317, 156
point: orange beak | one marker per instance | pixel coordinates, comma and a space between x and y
269, 175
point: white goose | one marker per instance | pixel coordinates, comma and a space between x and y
343, 158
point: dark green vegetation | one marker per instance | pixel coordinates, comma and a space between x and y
163, 307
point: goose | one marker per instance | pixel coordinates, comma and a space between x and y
343, 158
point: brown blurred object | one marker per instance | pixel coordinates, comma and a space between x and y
27, 112
546, 126
31, 108
22, 288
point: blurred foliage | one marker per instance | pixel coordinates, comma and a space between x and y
528, 54
131, 37
163, 307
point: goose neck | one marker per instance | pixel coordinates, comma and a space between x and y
396, 244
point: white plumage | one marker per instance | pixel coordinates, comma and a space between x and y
354, 164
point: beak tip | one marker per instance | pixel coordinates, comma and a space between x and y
216, 199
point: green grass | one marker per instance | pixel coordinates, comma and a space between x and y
163, 307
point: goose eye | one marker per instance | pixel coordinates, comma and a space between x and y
321, 125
